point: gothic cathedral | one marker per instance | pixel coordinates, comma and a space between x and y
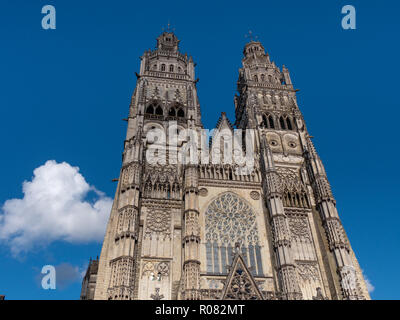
206, 230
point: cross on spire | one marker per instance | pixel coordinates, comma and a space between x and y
168, 29
251, 36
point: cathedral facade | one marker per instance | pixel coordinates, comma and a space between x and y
265, 228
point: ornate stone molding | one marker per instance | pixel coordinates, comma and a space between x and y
203, 192
299, 228
308, 271
158, 220
255, 195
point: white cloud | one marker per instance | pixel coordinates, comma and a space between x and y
67, 274
370, 286
54, 207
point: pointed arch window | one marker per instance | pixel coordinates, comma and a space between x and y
150, 109
172, 112
154, 108
159, 111
181, 113
289, 124
163, 67
282, 123
263, 77
255, 78
268, 121
295, 199
271, 122
171, 68
265, 121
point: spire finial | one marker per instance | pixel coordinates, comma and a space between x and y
251, 36
168, 29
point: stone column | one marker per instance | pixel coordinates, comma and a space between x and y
121, 262
280, 227
337, 239
191, 236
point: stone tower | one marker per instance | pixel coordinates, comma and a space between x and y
193, 224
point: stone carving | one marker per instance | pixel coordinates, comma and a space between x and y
157, 295
299, 228
294, 190
203, 192
163, 268
158, 220
122, 277
319, 295
322, 188
280, 231
349, 282
255, 195
126, 219
162, 182
155, 269
288, 277
289, 179
240, 285
129, 175
148, 269
335, 234
308, 271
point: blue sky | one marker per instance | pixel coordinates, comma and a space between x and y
64, 92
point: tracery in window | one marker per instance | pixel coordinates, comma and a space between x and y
172, 112
289, 124
293, 189
159, 111
282, 123
150, 109
268, 121
285, 123
154, 108
231, 220
176, 111
181, 113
